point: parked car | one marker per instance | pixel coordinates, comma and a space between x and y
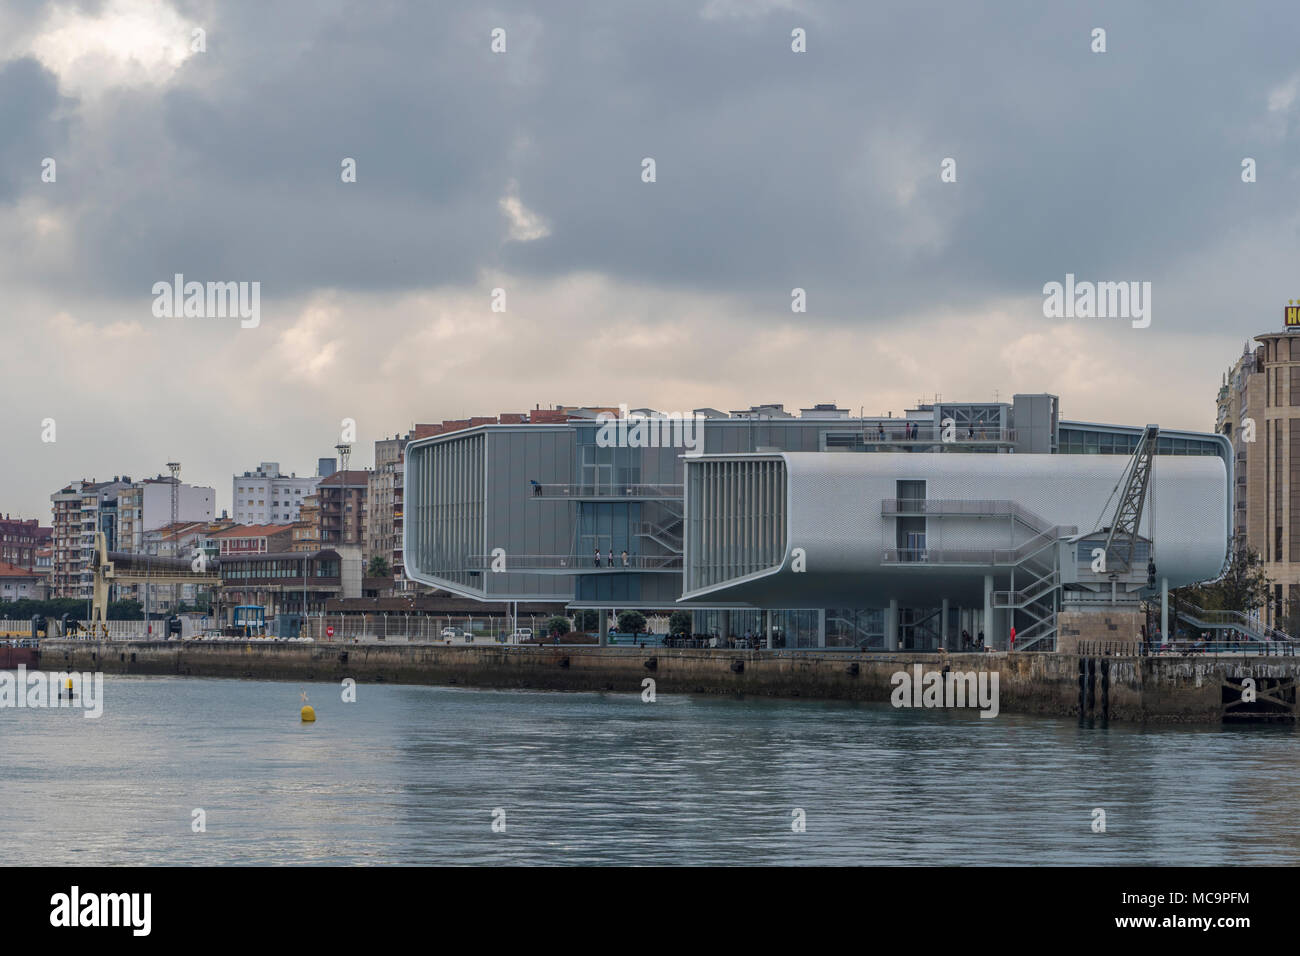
523, 634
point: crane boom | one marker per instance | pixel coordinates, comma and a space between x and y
1121, 542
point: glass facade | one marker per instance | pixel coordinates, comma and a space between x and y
1085, 441
606, 467
846, 628
855, 628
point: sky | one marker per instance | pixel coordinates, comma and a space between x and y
221, 155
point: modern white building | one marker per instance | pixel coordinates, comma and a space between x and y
996, 540
265, 496
824, 529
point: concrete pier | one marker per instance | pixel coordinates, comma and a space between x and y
1200, 689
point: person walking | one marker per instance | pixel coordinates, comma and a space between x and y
625, 558
611, 557
598, 557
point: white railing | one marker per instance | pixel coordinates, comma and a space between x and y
421, 629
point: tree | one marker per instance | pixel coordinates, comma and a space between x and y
128, 609
23, 610
378, 568
1244, 586
1290, 622
586, 620
680, 622
556, 626
631, 622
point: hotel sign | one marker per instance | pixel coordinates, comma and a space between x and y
1291, 316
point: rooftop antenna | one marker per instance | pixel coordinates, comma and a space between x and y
175, 468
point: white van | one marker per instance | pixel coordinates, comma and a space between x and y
523, 634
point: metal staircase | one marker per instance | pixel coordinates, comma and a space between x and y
1243, 624
667, 534
1037, 600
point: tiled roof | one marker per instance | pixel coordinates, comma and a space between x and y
8, 570
349, 477
252, 530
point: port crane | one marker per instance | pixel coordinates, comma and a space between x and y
122, 567
1122, 537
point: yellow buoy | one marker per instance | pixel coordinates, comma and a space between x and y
308, 714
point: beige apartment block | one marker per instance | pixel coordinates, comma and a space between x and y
1259, 410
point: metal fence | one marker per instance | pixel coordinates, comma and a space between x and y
1188, 648
112, 630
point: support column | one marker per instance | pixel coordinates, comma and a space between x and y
604, 626
767, 629
891, 626
1164, 609
821, 627
724, 627
943, 626
988, 612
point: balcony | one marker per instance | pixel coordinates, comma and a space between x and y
959, 507
605, 492
979, 557
577, 564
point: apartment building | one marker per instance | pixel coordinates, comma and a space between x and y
146, 506
1259, 412
20, 540
80, 509
266, 495
306, 530
19, 584
342, 515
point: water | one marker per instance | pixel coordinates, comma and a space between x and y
411, 775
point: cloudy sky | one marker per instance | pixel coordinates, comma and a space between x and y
522, 171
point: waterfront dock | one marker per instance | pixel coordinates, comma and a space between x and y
1197, 689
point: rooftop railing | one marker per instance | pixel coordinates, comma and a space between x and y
935, 434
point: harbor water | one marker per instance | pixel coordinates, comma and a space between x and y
447, 775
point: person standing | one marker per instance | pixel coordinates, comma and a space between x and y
625, 558
611, 557
1013, 637
598, 557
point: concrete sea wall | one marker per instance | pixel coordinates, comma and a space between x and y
1157, 689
